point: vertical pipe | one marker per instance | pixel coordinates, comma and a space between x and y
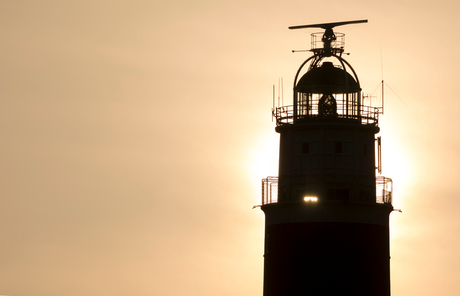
383, 96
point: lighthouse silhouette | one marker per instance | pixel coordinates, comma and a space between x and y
327, 213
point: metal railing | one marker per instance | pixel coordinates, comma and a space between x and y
384, 187
317, 41
269, 190
285, 115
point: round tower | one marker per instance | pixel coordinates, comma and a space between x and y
327, 215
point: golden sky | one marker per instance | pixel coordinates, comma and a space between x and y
134, 135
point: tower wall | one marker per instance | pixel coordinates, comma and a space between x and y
330, 160
326, 248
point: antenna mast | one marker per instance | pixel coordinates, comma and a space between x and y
328, 36
383, 81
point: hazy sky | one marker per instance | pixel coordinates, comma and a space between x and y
134, 135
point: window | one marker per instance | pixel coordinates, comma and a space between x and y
364, 195
305, 147
338, 194
338, 147
342, 194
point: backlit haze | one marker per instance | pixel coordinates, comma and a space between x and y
134, 135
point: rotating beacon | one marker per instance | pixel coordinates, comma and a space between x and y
327, 214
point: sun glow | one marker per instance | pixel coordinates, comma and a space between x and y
264, 156
398, 164
262, 160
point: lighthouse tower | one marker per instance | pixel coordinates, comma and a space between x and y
327, 214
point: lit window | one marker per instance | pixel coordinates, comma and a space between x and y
310, 198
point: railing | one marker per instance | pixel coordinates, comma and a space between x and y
317, 41
384, 187
285, 115
384, 190
269, 190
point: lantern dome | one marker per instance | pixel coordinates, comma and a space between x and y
327, 79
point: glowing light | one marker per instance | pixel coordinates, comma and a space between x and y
310, 198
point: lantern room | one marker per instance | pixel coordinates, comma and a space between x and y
326, 87
327, 91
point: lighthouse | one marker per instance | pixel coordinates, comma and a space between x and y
327, 212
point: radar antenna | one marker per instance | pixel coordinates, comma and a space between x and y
328, 36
